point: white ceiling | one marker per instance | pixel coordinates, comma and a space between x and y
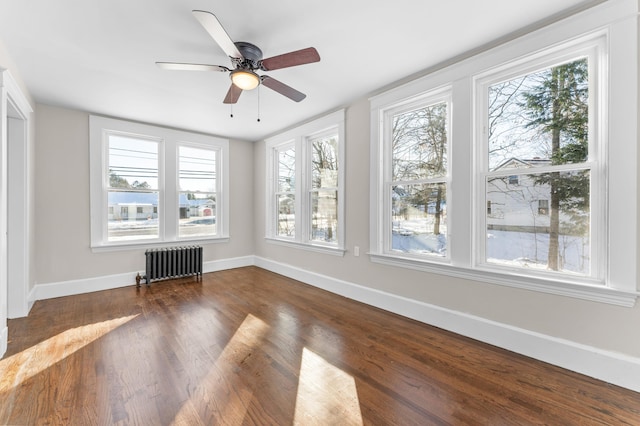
99, 56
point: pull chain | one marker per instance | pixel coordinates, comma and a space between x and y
258, 104
231, 109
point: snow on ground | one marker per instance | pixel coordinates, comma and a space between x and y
509, 248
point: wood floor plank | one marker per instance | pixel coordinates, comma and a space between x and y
246, 346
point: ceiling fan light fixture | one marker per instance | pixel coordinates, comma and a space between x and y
245, 80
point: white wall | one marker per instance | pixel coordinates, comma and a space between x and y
62, 206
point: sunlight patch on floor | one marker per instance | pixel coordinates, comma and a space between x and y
224, 402
326, 394
18, 368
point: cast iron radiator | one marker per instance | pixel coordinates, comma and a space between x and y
172, 262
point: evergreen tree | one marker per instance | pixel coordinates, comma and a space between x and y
558, 106
140, 185
116, 181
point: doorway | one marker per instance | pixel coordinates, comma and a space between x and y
15, 214
18, 214
15, 113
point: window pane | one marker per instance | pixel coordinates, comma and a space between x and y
419, 215
197, 215
132, 215
324, 216
133, 163
324, 163
419, 141
287, 170
286, 215
542, 223
540, 119
197, 202
197, 169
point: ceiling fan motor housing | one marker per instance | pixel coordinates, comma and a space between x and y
251, 53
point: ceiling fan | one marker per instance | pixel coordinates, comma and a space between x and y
246, 59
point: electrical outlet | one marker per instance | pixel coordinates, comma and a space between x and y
356, 251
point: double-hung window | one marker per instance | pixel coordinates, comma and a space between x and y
151, 185
132, 187
512, 167
198, 189
305, 185
285, 191
540, 164
417, 176
323, 188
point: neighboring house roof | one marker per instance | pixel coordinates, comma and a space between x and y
515, 163
132, 198
199, 203
142, 198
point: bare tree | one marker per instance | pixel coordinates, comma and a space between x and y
419, 147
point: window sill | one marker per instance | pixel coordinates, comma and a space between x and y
155, 244
318, 248
591, 292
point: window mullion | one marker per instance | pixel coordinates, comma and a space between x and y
301, 211
169, 193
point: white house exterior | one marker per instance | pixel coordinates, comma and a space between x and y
515, 202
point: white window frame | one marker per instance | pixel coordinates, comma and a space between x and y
296, 195
169, 141
613, 26
593, 47
218, 154
301, 139
432, 97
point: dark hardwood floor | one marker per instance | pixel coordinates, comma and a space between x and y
247, 346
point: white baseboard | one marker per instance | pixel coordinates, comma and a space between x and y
4, 340
88, 285
224, 264
31, 299
85, 285
611, 367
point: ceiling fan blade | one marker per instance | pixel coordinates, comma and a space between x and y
291, 59
283, 89
217, 32
190, 67
233, 94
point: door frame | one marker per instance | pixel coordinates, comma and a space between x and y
15, 214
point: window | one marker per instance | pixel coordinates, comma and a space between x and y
305, 185
543, 207
323, 193
132, 182
540, 157
417, 178
286, 191
197, 181
533, 184
151, 185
